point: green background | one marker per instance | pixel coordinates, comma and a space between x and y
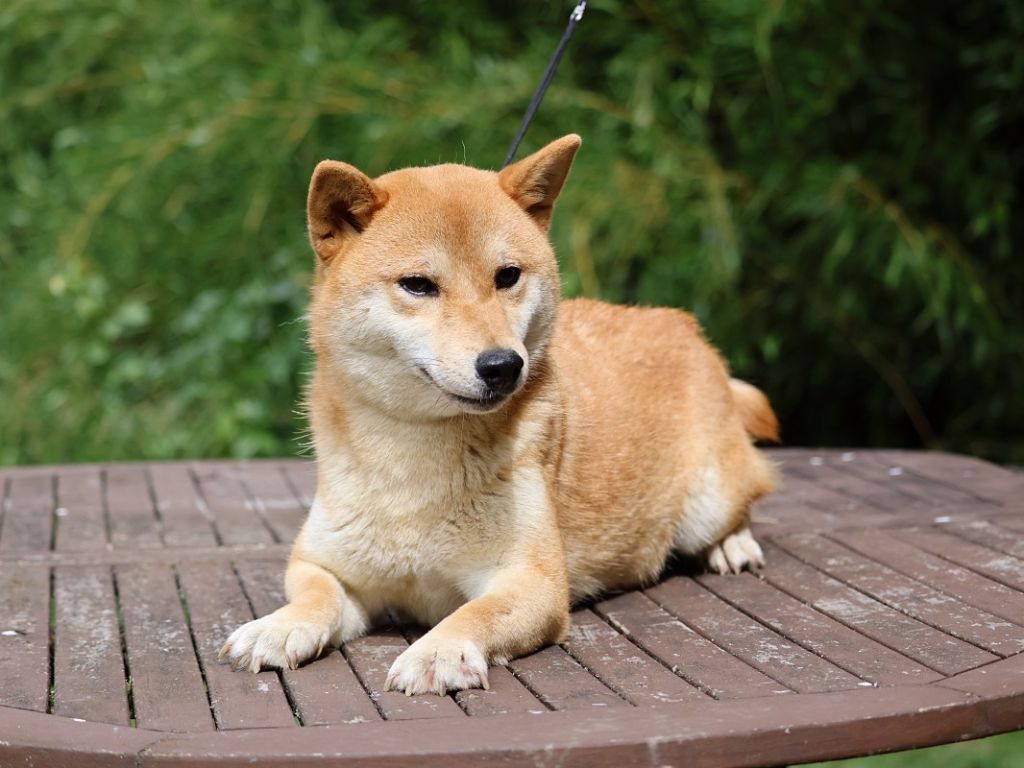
833, 187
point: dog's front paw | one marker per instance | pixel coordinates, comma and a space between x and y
281, 639
429, 666
735, 552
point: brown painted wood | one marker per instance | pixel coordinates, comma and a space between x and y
325, 691
997, 566
371, 657
88, 675
954, 580
302, 477
28, 517
623, 666
167, 685
81, 523
878, 621
911, 597
941, 546
184, 524
275, 499
973, 476
758, 732
225, 500
886, 498
217, 606
558, 680
128, 556
133, 520
990, 535
747, 639
24, 637
817, 632
683, 651
507, 696
883, 469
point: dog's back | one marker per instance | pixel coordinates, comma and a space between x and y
654, 451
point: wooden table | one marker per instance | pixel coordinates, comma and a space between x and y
891, 615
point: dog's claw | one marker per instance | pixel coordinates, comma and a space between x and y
224, 651
293, 660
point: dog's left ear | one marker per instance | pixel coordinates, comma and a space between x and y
535, 181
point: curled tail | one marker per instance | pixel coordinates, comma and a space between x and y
756, 414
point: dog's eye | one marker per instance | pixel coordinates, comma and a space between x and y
419, 286
506, 277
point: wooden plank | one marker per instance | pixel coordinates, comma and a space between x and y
749, 640
622, 666
754, 732
561, 682
819, 633
127, 556
302, 477
167, 685
683, 651
133, 521
997, 566
870, 617
979, 478
81, 524
817, 472
216, 607
954, 580
235, 518
371, 658
911, 597
184, 524
24, 637
324, 691
274, 498
990, 535
88, 668
887, 471
507, 696
28, 518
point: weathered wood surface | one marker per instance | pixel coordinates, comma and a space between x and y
890, 615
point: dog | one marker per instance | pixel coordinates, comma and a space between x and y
488, 454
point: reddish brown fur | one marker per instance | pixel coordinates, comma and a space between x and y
624, 441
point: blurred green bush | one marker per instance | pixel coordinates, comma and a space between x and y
833, 187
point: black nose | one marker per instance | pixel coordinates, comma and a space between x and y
499, 369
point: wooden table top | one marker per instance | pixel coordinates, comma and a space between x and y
890, 615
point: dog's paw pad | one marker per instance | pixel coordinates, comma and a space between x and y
277, 640
735, 552
432, 667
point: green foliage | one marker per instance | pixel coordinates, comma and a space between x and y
833, 187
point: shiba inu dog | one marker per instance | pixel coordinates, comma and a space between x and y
486, 453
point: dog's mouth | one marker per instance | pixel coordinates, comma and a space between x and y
487, 402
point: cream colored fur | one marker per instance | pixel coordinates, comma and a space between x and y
623, 439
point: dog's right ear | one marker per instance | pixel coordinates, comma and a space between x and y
342, 200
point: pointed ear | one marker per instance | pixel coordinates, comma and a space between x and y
342, 200
534, 182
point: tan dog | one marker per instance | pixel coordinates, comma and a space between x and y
487, 454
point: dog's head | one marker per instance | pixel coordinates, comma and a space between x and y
436, 287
